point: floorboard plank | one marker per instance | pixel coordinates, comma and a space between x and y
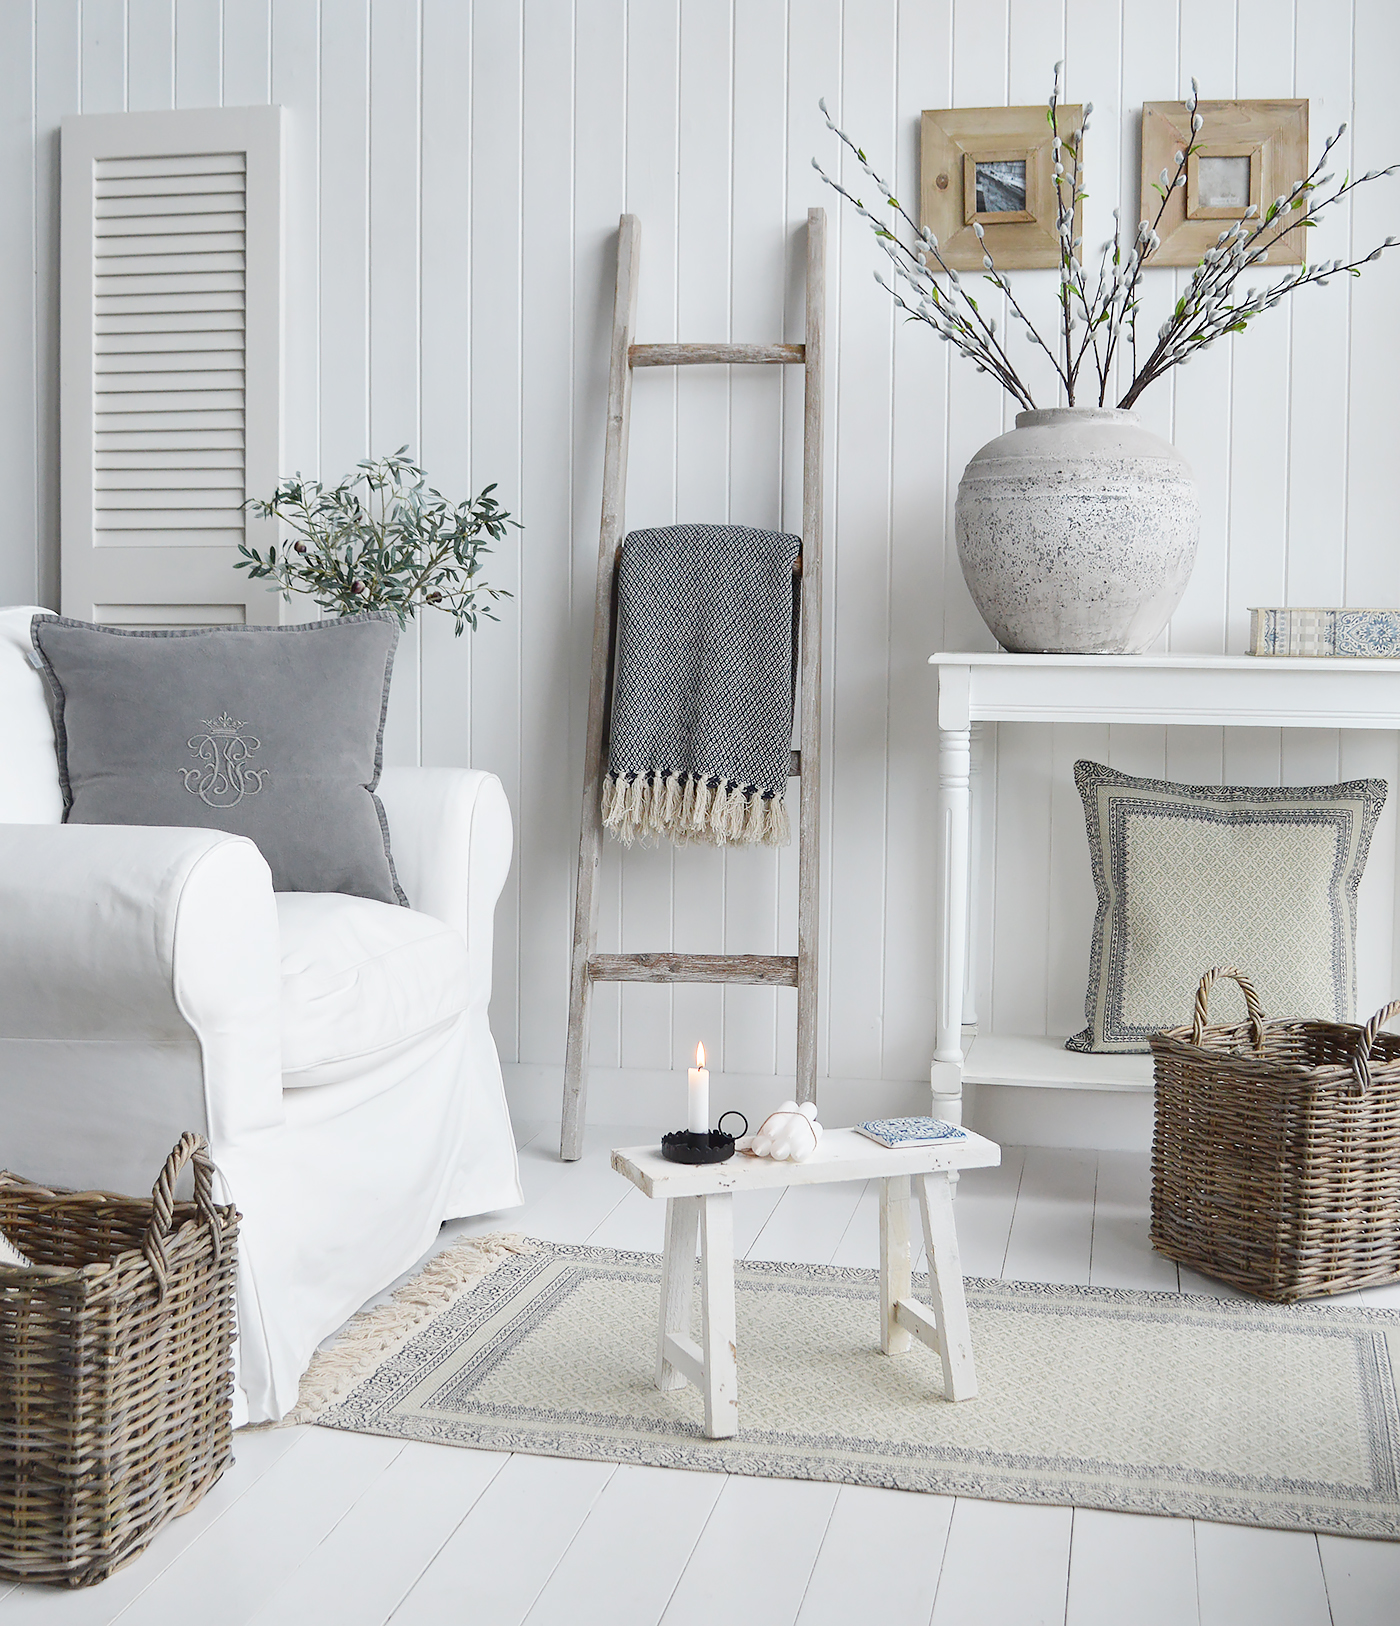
1122, 1253
255, 1453
1363, 1580
752, 1564
1252, 1577
370, 1561
1126, 1569
983, 1212
631, 1550
806, 1227
1053, 1227
907, 1529
859, 1246
1005, 1565
300, 1501
497, 1561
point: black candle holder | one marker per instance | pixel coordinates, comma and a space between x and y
701, 1145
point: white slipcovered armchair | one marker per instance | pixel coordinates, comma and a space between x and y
334, 1050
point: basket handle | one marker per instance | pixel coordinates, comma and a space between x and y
190, 1148
1251, 1000
1361, 1056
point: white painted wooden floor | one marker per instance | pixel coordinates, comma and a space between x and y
312, 1525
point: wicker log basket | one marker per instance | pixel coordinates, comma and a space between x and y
1276, 1150
116, 1368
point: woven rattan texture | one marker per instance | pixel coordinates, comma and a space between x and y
1276, 1165
116, 1400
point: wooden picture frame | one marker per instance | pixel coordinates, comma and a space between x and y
953, 143
1272, 136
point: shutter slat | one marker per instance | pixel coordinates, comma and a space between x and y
173, 459
190, 206
145, 245
135, 403
167, 385
174, 316
198, 477
112, 348
167, 517
163, 362
226, 538
223, 418
162, 168
110, 290
184, 224
208, 438
166, 265
223, 187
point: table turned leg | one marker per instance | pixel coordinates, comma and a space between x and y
677, 1283
946, 1286
954, 777
721, 1385
896, 1262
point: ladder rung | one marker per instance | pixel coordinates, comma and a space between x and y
774, 970
690, 355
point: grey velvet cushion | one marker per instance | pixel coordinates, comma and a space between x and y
1194, 876
274, 733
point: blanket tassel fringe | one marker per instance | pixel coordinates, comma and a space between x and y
684, 808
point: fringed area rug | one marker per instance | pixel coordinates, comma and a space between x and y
1090, 1397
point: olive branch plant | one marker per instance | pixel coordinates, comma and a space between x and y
399, 546
1097, 314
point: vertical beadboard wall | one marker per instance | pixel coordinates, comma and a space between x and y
454, 179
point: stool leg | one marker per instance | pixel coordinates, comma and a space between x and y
677, 1283
717, 1303
946, 1286
896, 1262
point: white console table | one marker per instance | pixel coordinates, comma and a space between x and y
1213, 690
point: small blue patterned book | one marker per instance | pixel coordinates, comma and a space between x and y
910, 1131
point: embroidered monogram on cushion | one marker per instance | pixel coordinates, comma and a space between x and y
223, 777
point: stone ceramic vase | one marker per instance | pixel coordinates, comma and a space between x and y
1077, 532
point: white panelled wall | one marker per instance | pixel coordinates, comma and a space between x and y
454, 177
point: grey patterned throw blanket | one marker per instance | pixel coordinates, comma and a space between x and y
703, 686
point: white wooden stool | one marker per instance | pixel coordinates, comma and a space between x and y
701, 1199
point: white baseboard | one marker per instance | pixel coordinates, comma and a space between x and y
1017, 1115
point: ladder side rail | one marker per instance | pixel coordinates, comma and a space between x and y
591, 824
810, 636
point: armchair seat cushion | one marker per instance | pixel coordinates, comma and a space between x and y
359, 977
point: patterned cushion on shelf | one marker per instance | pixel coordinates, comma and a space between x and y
1192, 876
274, 733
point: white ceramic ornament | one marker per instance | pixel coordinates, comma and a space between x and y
791, 1134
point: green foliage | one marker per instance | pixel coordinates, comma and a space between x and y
382, 539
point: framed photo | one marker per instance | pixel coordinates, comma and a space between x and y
1249, 153
992, 166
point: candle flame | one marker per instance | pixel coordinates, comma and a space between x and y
700, 1055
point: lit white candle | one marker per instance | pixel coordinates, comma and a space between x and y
699, 1094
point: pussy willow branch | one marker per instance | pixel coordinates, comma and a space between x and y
1203, 313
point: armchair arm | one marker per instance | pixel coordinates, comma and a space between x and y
450, 833
139, 997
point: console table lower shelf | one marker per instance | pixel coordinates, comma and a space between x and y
700, 1200
1034, 1059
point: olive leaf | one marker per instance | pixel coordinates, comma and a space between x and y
382, 539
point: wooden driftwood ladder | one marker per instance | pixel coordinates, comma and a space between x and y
776, 970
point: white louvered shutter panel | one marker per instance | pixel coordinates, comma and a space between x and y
171, 362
